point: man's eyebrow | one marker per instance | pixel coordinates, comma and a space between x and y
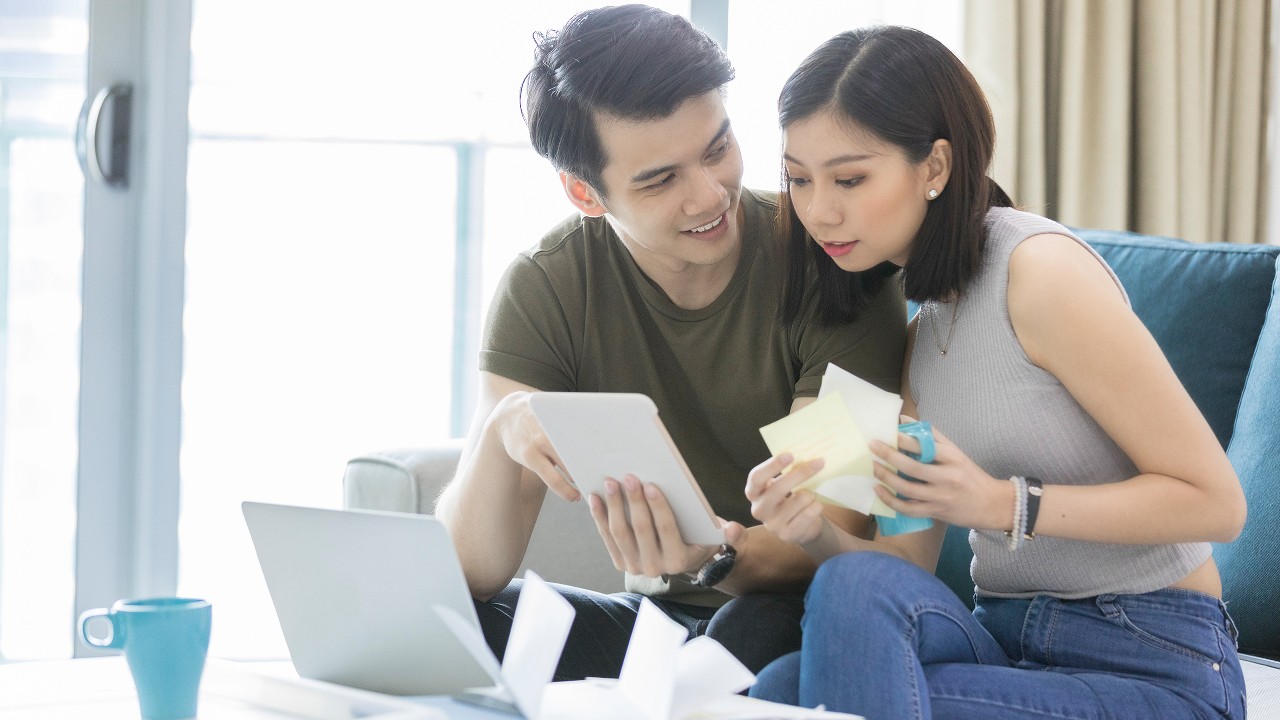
833, 161
648, 175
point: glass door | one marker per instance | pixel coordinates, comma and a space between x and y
43, 50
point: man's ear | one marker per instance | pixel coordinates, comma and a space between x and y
583, 196
938, 165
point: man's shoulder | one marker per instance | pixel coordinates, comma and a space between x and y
561, 233
569, 239
761, 205
574, 253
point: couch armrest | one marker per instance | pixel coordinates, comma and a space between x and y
405, 480
565, 547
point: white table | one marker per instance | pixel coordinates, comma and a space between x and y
102, 688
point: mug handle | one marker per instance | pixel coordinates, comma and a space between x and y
114, 640
922, 431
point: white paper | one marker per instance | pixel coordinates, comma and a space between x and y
665, 677
737, 707
873, 410
538, 633
648, 677
595, 699
876, 412
590, 699
705, 670
855, 492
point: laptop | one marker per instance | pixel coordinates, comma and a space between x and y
354, 591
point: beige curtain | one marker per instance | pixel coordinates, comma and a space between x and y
1144, 115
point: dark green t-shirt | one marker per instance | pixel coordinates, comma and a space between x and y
576, 313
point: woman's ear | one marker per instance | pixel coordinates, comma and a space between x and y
583, 196
938, 167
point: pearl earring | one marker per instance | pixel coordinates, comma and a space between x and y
932, 194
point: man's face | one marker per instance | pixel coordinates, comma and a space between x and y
673, 186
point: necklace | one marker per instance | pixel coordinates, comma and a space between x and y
951, 327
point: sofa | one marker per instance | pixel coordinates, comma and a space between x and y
1215, 311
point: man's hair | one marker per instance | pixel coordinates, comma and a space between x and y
632, 61
905, 88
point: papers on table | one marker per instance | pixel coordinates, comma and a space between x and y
663, 677
597, 698
849, 413
538, 633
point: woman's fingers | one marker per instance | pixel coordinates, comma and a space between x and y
904, 463
763, 475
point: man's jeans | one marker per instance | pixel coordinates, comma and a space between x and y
756, 628
886, 640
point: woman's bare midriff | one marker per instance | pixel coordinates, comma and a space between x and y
1204, 579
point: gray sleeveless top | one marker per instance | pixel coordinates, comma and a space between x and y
1014, 418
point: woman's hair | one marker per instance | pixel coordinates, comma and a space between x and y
631, 61
907, 89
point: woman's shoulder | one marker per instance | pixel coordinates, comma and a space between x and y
1011, 226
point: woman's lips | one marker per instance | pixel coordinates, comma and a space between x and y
838, 249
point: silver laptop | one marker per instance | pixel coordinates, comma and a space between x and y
354, 591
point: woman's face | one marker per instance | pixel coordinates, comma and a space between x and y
859, 197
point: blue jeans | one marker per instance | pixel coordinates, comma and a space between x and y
756, 629
887, 640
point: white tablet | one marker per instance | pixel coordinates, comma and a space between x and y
611, 435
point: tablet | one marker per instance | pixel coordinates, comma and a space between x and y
611, 435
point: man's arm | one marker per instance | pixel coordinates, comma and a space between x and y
492, 503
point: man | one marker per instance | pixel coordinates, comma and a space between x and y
667, 284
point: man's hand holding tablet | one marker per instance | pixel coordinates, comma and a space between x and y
614, 446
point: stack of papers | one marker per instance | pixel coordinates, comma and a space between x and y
849, 413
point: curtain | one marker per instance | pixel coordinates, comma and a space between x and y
1143, 115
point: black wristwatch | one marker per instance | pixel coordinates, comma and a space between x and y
717, 568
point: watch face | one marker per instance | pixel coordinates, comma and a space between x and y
718, 568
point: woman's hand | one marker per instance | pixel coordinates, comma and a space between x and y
793, 515
952, 488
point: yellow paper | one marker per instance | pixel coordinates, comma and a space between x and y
824, 429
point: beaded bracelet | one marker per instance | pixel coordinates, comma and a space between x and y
1019, 512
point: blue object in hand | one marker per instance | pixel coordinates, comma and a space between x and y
923, 433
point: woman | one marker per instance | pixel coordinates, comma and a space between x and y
1092, 484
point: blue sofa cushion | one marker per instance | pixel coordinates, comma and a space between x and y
1203, 303
1251, 564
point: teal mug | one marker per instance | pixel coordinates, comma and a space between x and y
923, 433
165, 641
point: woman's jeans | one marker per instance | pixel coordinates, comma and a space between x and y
886, 640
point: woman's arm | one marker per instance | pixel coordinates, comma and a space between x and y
1071, 320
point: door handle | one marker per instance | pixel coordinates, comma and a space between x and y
114, 172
